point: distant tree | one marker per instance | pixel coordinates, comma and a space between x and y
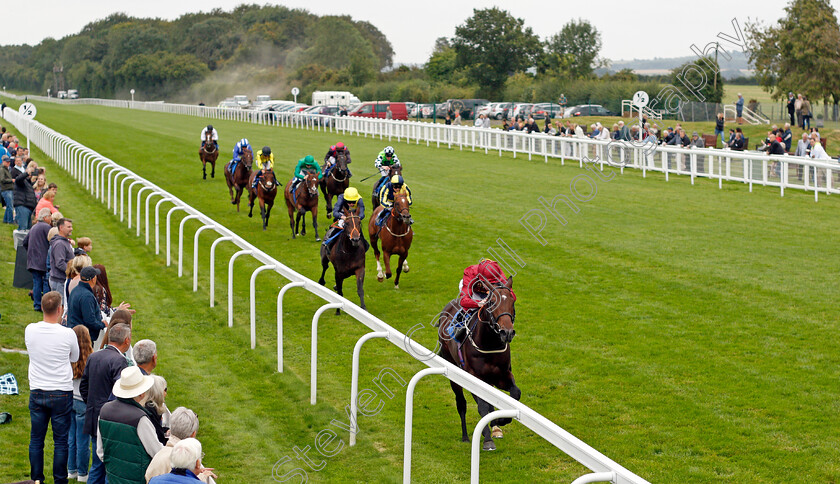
160, 72
699, 72
381, 46
441, 65
801, 53
492, 44
212, 41
442, 44
335, 41
580, 40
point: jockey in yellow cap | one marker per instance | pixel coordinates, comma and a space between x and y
350, 201
387, 193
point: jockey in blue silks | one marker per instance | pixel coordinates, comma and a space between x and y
237, 152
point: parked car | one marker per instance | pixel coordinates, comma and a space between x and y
467, 107
227, 104
521, 110
242, 100
486, 109
540, 110
72, 94
260, 100
501, 111
587, 110
377, 109
324, 111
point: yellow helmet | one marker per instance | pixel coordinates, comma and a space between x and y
351, 194
395, 179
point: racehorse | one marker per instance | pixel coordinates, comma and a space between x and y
336, 182
396, 236
393, 170
484, 354
266, 190
347, 255
305, 199
239, 180
208, 154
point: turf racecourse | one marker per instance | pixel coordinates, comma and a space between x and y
684, 331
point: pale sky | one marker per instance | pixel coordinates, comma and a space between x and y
629, 29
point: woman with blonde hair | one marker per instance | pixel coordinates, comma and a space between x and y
79, 456
155, 407
47, 201
73, 272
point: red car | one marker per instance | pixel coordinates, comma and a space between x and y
378, 109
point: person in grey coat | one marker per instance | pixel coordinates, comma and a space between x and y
61, 252
36, 246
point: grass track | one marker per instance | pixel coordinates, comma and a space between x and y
680, 330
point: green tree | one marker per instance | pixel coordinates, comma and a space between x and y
800, 54
578, 41
696, 79
492, 44
381, 46
335, 42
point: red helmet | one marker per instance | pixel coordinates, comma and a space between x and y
339, 146
332, 148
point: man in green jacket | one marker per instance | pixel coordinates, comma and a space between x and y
304, 165
127, 441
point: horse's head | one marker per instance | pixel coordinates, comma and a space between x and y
395, 170
352, 226
341, 161
401, 208
269, 182
311, 182
499, 310
247, 157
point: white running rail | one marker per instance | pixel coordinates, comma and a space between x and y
106, 181
730, 111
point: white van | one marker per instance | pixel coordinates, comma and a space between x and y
260, 100
73, 94
334, 98
242, 100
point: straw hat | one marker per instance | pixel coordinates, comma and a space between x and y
132, 383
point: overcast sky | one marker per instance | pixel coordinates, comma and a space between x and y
629, 29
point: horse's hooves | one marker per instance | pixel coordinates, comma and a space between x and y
250, 215
205, 177
497, 433
405, 269
388, 276
317, 239
232, 202
489, 445
465, 439
338, 312
379, 279
396, 286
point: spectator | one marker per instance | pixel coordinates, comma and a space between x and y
505, 125
388, 113
603, 133
549, 129
85, 244
803, 147
579, 131
82, 307
531, 126
101, 372
74, 269
775, 147
731, 137
56, 216
817, 150
46, 201
737, 143
145, 353
787, 137
155, 406
697, 142
36, 246
448, 120
79, 457
479, 121
24, 200
183, 425
185, 460
719, 126
623, 131
739, 108
7, 191
52, 348
457, 120
40, 187
61, 252
17, 167
126, 440
616, 133
806, 113
798, 107
791, 106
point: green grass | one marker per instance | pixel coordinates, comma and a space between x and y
683, 331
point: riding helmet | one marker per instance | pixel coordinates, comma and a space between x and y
332, 148
389, 151
351, 194
244, 142
266, 151
309, 159
339, 146
397, 180
209, 127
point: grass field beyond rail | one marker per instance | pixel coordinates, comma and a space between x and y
684, 331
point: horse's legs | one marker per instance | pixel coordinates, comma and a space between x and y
204, 168
263, 215
386, 259
268, 207
374, 241
251, 196
483, 409
298, 218
328, 198
360, 286
292, 225
399, 269
325, 264
339, 288
508, 384
405, 267
213, 172
238, 197
315, 223
461, 405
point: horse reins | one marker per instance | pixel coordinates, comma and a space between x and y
493, 320
394, 216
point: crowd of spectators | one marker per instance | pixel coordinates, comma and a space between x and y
98, 393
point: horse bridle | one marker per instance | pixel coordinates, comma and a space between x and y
347, 216
209, 141
262, 183
493, 322
395, 215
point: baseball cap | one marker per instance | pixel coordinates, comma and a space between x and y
89, 273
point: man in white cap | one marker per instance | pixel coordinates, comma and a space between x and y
127, 441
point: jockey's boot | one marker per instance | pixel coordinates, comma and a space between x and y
460, 332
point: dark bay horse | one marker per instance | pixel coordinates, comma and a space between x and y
485, 353
347, 255
239, 180
337, 181
396, 236
208, 154
266, 190
305, 199
394, 170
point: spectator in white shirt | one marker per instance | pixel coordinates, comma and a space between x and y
52, 348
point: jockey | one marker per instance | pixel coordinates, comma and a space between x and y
237, 152
386, 159
348, 201
332, 154
305, 165
265, 162
386, 196
474, 291
215, 136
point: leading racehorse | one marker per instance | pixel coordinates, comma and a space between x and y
239, 180
396, 236
336, 182
484, 352
347, 255
266, 190
304, 199
208, 154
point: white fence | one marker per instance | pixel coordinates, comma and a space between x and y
750, 168
107, 180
